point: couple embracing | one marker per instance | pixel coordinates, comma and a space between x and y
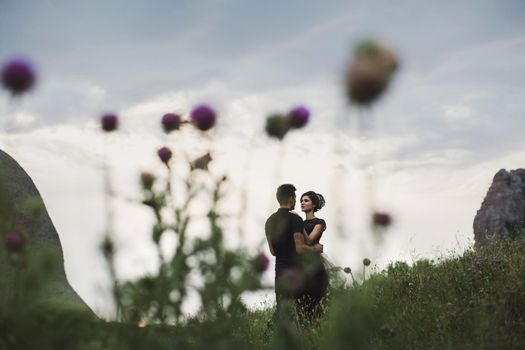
300, 275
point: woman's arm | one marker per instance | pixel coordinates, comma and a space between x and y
300, 244
307, 238
315, 234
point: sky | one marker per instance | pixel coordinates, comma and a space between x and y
452, 117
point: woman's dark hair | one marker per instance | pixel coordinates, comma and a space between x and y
284, 192
316, 198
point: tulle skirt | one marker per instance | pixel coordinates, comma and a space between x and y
321, 277
336, 276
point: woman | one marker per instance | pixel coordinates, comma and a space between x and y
314, 227
316, 276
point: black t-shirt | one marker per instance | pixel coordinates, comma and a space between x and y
280, 228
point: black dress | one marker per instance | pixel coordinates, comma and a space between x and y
316, 276
309, 227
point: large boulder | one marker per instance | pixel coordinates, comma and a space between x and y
37, 272
502, 213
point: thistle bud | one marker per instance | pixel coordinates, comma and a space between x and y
147, 180
381, 219
347, 270
365, 82
107, 247
170, 122
277, 126
260, 263
109, 122
164, 154
366, 262
383, 56
201, 162
370, 72
14, 242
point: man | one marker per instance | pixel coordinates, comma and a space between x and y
284, 232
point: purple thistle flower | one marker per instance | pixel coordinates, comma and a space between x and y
14, 242
299, 117
170, 122
261, 263
109, 122
18, 76
203, 117
164, 154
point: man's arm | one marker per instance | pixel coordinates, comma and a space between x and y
267, 232
301, 246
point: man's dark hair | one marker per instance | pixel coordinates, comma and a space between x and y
284, 192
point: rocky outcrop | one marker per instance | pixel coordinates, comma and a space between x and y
502, 213
22, 210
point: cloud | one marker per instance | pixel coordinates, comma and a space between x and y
459, 112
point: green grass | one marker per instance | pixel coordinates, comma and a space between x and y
472, 301
468, 302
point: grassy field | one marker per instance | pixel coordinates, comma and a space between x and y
472, 301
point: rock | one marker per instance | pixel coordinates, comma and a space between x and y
502, 213
39, 268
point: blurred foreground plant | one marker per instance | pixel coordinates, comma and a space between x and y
472, 301
199, 264
368, 76
203, 265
